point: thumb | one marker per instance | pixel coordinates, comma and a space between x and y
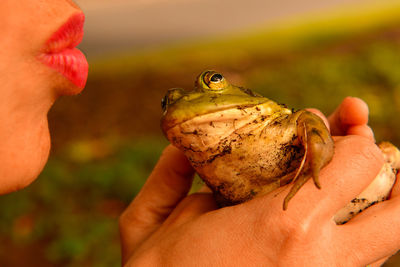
166, 186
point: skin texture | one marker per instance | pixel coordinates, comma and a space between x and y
163, 222
28, 87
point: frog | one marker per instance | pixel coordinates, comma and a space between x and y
242, 144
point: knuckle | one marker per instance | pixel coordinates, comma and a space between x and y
363, 148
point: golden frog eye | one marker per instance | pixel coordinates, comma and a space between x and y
215, 81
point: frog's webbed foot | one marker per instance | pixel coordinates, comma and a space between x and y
318, 151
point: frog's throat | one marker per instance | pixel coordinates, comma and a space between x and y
267, 107
171, 123
207, 130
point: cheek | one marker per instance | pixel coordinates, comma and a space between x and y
23, 157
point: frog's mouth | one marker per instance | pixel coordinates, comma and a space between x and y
199, 133
211, 80
172, 118
228, 116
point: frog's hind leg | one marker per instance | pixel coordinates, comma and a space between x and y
299, 179
303, 161
318, 146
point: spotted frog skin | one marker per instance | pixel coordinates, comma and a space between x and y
241, 143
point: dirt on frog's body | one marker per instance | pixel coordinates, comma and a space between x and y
243, 142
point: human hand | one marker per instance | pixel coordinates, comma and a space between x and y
349, 118
164, 226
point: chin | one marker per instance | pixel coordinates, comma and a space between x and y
24, 159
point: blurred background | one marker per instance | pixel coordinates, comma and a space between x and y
106, 140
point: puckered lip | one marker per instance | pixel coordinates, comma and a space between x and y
61, 54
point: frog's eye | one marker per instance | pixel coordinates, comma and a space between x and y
214, 81
216, 78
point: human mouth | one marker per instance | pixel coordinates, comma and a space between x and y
61, 54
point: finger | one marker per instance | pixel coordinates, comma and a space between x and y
355, 164
356, 129
378, 226
361, 130
320, 114
352, 111
166, 186
192, 206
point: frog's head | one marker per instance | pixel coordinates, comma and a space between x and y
212, 94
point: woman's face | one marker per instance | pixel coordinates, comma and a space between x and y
38, 63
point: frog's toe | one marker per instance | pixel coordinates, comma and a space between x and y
319, 155
316, 180
300, 181
317, 143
